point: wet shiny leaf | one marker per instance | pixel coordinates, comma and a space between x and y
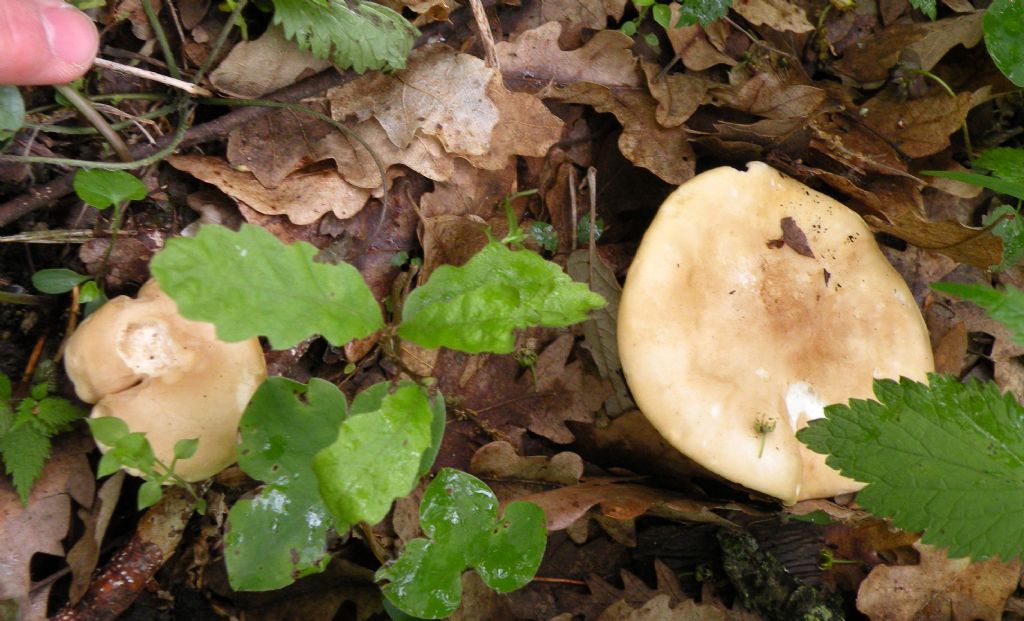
459, 515
280, 534
1004, 37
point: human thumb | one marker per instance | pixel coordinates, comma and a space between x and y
44, 42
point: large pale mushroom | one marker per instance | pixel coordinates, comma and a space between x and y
753, 302
166, 376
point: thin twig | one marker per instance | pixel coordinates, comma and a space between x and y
483, 26
86, 109
146, 74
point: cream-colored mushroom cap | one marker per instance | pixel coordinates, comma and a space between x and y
727, 325
166, 376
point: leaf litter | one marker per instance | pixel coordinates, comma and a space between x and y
835, 98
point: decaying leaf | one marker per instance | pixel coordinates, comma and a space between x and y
664, 151
938, 588
574, 15
534, 55
869, 62
40, 526
691, 44
917, 127
254, 68
621, 501
776, 14
498, 460
678, 94
457, 99
304, 198
659, 609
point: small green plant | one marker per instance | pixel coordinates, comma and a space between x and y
127, 449
26, 429
12, 112
691, 12
326, 465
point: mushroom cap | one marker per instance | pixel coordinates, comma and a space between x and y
723, 328
167, 376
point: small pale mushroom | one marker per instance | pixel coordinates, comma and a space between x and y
752, 303
166, 376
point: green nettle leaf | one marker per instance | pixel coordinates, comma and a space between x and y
370, 400
25, 433
1002, 162
103, 188
702, 11
1007, 225
475, 308
459, 515
946, 458
376, 457
12, 111
359, 35
57, 280
248, 283
1004, 37
925, 6
1006, 307
281, 534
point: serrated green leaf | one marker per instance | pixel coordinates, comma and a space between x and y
1003, 25
248, 283
12, 111
24, 449
183, 449
476, 307
925, 6
285, 424
459, 515
370, 400
6, 411
149, 494
1006, 307
702, 12
995, 184
1007, 225
357, 35
946, 458
53, 415
57, 280
108, 429
1002, 162
5, 389
103, 188
356, 482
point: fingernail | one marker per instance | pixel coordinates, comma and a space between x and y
70, 34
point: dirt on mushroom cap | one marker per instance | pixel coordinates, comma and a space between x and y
723, 332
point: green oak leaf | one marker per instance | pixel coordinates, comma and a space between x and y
459, 516
376, 457
103, 188
281, 534
370, 400
476, 307
1003, 25
248, 283
1007, 225
946, 458
1006, 307
360, 35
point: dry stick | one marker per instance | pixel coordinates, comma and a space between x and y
135, 564
41, 196
486, 37
153, 76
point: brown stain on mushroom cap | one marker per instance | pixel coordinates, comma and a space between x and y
718, 331
165, 376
